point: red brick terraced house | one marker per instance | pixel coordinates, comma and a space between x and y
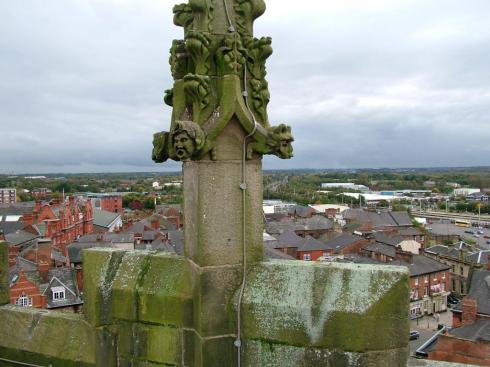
62, 223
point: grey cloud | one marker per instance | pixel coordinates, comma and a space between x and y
364, 84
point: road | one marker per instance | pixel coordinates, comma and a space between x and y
427, 326
445, 227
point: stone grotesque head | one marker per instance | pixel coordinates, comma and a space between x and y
282, 137
187, 139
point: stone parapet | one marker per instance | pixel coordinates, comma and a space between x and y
157, 309
4, 274
46, 338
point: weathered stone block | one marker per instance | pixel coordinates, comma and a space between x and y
214, 212
209, 351
132, 269
158, 344
213, 299
267, 354
43, 337
99, 270
349, 307
165, 291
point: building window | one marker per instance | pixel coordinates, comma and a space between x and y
306, 257
461, 271
426, 291
444, 275
426, 279
417, 281
443, 286
58, 293
24, 301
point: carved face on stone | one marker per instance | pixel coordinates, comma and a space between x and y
284, 138
184, 145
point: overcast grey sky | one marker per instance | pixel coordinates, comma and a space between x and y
364, 83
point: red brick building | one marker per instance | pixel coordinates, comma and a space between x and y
25, 292
62, 223
107, 202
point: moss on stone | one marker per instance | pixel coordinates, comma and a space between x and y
99, 269
4, 270
133, 267
52, 337
165, 292
327, 305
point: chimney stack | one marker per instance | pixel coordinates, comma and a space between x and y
488, 262
469, 311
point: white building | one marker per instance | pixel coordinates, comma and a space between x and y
345, 185
8, 196
465, 191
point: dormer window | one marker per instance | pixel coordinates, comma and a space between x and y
58, 293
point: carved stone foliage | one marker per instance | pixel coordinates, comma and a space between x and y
231, 56
160, 147
246, 12
213, 66
178, 59
198, 45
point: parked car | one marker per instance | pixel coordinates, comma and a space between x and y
414, 335
469, 232
488, 242
480, 232
488, 237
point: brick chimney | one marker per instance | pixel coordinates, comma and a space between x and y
469, 311
488, 262
155, 224
403, 255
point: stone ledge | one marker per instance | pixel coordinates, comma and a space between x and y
44, 337
356, 308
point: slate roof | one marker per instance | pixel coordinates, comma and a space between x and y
479, 291
315, 223
378, 219
75, 249
301, 211
388, 240
271, 253
9, 227
64, 277
137, 227
422, 265
103, 218
480, 257
157, 245
382, 248
149, 235
479, 330
438, 250
311, 244
289, 239
342, 241
163, 222
410, 231
108, 237
20, 237
176, 239
16, 209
